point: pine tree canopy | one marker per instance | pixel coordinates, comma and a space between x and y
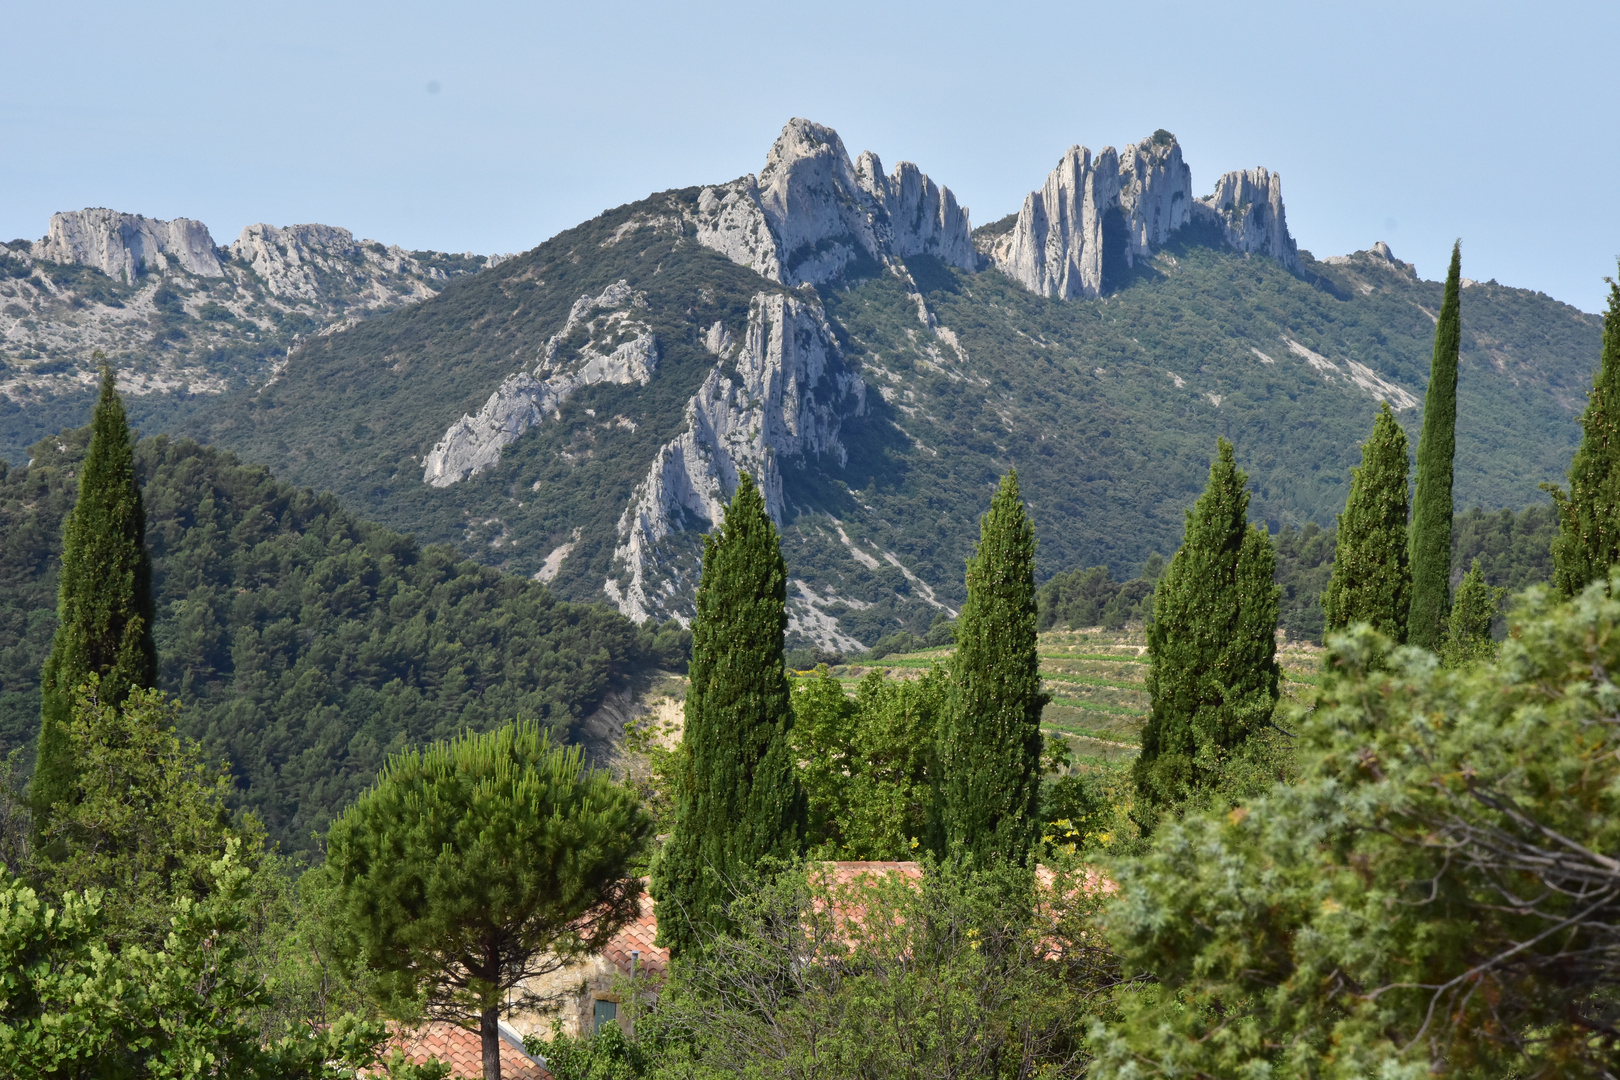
104, 605
1437, 446
990, 739
1588, 540
479, 864
1372, 579
1213, 643
737, 797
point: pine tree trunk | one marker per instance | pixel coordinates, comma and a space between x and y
489, 1031
1437, 447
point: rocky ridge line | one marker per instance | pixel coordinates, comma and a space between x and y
811, 212
1135, 200
791, 395
620, 349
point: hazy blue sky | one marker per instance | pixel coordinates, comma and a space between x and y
491, 126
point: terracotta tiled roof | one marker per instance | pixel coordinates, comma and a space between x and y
463, 1051
638, 934
845, 872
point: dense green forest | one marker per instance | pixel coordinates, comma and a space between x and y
1108, 407
1514, 550
305, 643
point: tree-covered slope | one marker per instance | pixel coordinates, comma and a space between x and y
1108, 407
305, 643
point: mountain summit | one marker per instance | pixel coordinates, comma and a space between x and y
581, 412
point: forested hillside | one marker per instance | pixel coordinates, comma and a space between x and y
305, 643
1109, 408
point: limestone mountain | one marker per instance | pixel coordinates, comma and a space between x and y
180, 316
578, 412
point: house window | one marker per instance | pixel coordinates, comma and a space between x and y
602, 1013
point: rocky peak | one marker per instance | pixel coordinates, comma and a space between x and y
1056, 246
321, 262
1249, 206
1155, 191
1125, 206
919, 217
811, 212
124, 245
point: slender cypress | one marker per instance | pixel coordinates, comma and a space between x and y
1372, 578
737, 796
104, 600
1437, 446
990, 737
1212, 643
1588, 540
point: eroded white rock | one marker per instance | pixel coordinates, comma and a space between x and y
1249, 206
619, 349
790, 397
1130, 203
811, 212
123, 245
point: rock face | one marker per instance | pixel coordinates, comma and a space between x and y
1132, 201
1249, 206
316, 262
790, 397
1124, 207
619, 349
124, 245
811, 213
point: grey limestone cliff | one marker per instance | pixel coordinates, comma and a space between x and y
317, 262
791, 393
811, 212
619, 349
1249, 206
1125, 206
124, 245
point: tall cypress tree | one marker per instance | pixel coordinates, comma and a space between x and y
990, 735
1588, 540
1213, 642
1372, 577
104, 600
1437, 446
737, 796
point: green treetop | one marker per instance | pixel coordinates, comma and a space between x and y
1588, 541
477, 865
104, 604
1372, 580
1468, 630
990, 732
1213, 643
1437, 446
737, 797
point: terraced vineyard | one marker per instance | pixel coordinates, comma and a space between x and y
1095, 678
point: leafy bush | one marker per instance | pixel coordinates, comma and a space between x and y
1432, 896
